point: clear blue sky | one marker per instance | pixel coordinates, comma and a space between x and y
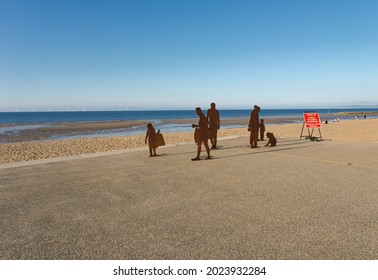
139, 54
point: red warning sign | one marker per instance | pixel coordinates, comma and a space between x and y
312, 120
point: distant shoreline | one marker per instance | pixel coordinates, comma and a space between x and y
357, 113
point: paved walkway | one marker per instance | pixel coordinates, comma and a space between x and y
299, 200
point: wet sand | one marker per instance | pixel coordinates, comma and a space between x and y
45, 131
360, 130
39, 132
238, 121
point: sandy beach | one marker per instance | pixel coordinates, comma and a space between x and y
299, 200
359, 130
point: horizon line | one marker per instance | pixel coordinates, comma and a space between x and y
181, 109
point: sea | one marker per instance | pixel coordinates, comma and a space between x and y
17, 122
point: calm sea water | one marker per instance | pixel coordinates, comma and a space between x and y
16, 124
19, 118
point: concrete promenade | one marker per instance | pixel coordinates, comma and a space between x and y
299, 200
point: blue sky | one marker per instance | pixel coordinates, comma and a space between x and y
137, 54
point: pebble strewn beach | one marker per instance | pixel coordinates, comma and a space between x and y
359, 130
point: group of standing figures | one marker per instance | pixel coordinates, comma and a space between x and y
207, 128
